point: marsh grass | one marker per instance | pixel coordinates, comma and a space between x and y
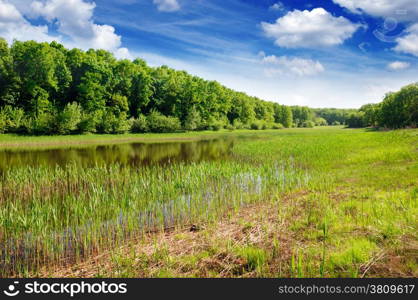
63, 215
341, 203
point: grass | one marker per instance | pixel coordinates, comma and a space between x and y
326, 202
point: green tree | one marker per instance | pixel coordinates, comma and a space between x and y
400, 109
283, 115
370, 114
320, 122
9, 82
42, 72
142, 88
356, 120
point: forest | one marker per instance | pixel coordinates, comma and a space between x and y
397, 110
48, 89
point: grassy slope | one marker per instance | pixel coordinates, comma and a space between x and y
357, 216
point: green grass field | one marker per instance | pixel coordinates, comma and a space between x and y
323, 202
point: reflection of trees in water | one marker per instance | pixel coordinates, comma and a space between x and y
125, 154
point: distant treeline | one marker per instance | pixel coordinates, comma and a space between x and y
48, 89
397, 110
333, 116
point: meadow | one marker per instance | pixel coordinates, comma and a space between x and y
322, 202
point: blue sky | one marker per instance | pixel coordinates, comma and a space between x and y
320, 53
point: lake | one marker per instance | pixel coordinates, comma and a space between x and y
130, 154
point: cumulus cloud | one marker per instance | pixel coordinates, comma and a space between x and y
74, 21
167, 5
408, 43
280, 65
398, 65
403, 10
309, 29
13, 25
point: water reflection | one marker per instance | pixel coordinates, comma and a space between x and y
134, 154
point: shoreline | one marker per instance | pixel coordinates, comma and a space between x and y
16, 142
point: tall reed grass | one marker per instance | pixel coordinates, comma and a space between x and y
61, 215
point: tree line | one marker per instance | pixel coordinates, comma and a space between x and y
48, 89
397, 110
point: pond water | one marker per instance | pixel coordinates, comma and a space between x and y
131, 154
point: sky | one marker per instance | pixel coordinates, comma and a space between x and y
319, 53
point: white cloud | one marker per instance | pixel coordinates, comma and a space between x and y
74, 21
123, 53
281, 65
408, 43
14, 26
277, 6
403, 10
167, 5
309, 29
398, 65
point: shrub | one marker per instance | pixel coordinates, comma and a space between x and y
260, 125
44, 123
103, 122
3, 122
109, 122
119, 123
162, 124
213, 124
87, 123
308, 124
13, 118
277, 126
216, 125
266, 125
193, 120
140, 125
238, 124
256, 125
230, 127
69, 118
122, 124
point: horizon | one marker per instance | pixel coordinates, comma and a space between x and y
321, 54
